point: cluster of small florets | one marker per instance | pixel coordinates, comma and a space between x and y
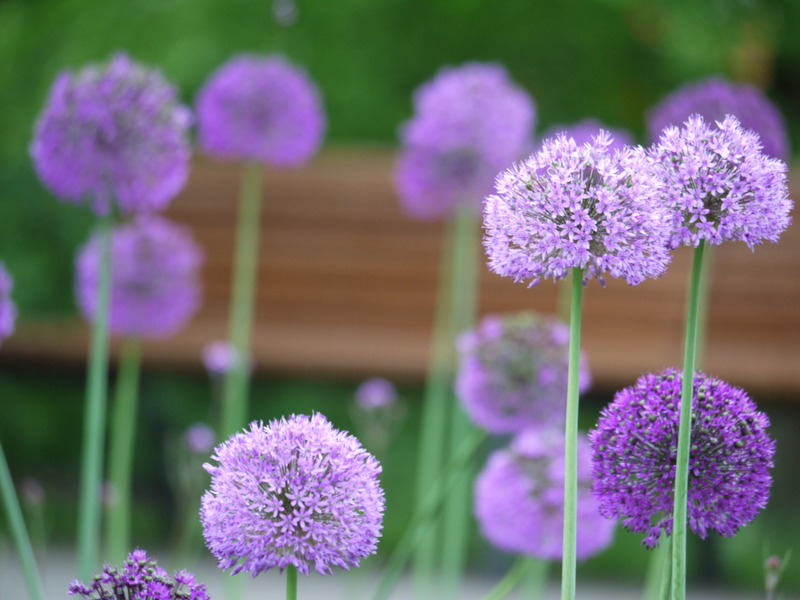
512, 372
8, 312
297, 492
113, 133
635, 449
585, 131
140, 578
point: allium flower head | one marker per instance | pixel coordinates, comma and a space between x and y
140, 578
221, 356
512, 373
519, 498
469, 123
584, 131
715, 98
296, 492
8, 312
200, 438
635, 449
375, 393
113, 132
577, 206
719, 186
154, 277
260, 108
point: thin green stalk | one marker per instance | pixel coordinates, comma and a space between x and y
121, 446
535, 580
291, 582
523, 568
95, 415
666, 572
569, 561
654, 576
684, 435
245, 275
19, 532
703, 294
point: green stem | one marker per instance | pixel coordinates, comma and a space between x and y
654, 576
291, 582
702, 308
666, 572
245, 275
121, 446
684, 435
569, 561
19, 532
95, 415
523, 568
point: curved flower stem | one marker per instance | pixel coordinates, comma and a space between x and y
121, 445
245, 275
568, 563
95, 415
684, 435
291, 582
532, 569
19, 532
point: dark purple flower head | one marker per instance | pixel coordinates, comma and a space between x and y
513, 372
154, 280
715, 98
577, 206
296, 492
221, 356
8, 311
139, 579
260, 108
113, 132
469, 123
519, 498
375, 393
719, 186
635, 448
585, 131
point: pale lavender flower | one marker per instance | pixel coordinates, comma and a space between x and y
519, 498
154, 278
221, 356
200, 438
469, 123
715, 98
113, 132
636, 443
512, 373
585, 131
260, 108
32, 491
296, 492
719, 186
8, 311
375, 393
571, 206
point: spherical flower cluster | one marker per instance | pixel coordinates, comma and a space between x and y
113, 133
154, 277
296, 492
375, 393
584, 131
571, 206
8, 312
635, 449
519, 498
512, 373
140, 578
715, 98
262, 109
719, 186
469, 123
221, 356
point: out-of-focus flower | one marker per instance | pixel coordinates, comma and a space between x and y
583, 132
154, 282
113, 132
260, 108
8, 311
221, 356
296, 492
32, 491
635, 449
375, 393
200, 438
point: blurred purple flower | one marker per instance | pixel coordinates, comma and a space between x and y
584, 132
32, 491
200, 438
221, 356
8, 312
375, 393
260, 108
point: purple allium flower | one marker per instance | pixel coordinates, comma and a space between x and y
469, 123
635, 449
719, 186
221, 356
200, 438
260, 108
577, 206
154, 281
296, 492
519, 498
140, 578
513, 372
8, 312
375, 393
715, 98
113, 132
585, 131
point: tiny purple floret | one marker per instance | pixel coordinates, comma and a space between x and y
375, 393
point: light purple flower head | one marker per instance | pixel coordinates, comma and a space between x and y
585, 131
375, 393
113, 132
635, 448
8, 311
719, 186
139, 578
469, 123
715, 98
200, 438
296, 492
582, 206
512, 373
260, 108
519, 498
221, 356
154, 277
